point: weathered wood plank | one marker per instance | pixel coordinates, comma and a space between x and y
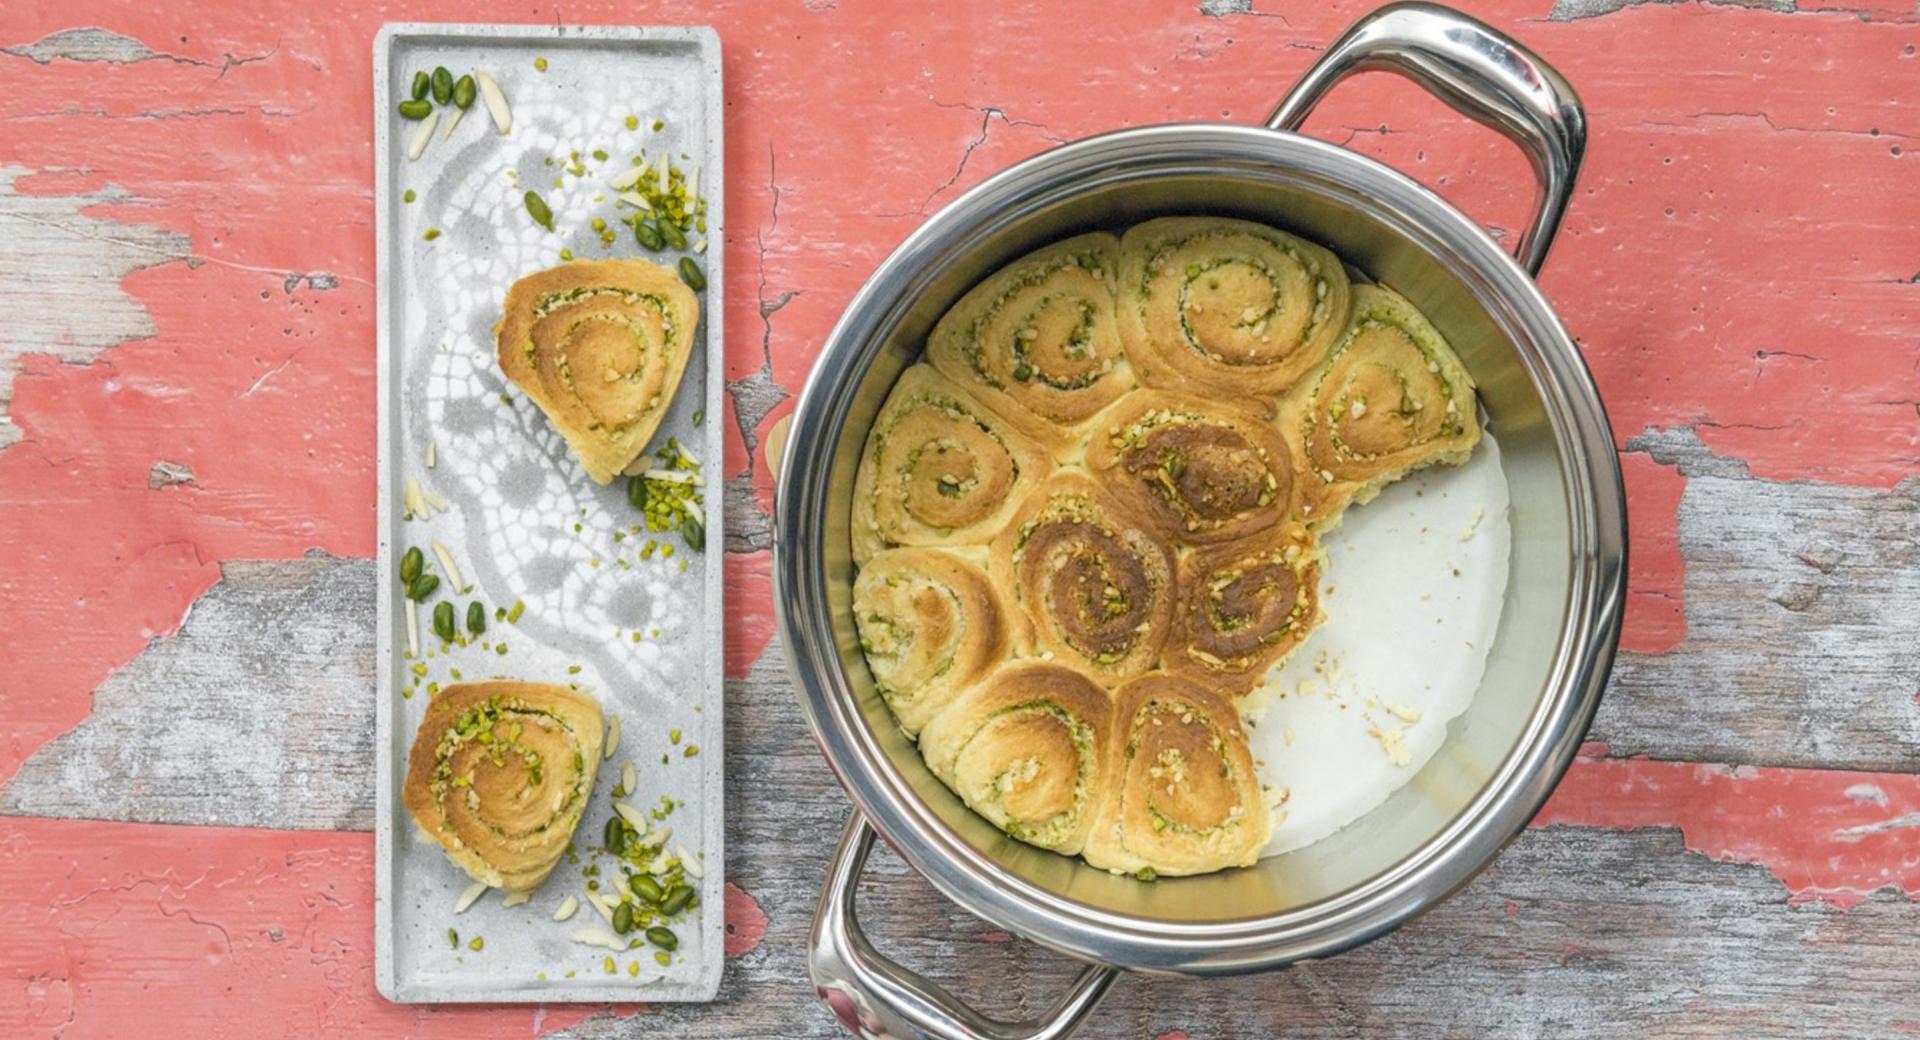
1575, 933
1803, 642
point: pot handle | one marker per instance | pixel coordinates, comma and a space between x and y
1480, 72
875, 998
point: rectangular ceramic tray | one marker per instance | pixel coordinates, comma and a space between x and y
523, 523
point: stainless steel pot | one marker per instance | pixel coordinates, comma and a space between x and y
1558, 631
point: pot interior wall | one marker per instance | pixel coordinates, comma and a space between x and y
1387, 249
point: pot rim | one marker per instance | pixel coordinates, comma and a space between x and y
1514, 793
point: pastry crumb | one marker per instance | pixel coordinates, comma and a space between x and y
1479, 513
1393, 742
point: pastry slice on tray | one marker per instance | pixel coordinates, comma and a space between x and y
600, 346
500, 774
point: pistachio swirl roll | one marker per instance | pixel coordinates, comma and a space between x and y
1202, 471
500, 774
1224, 306
1094, 582
930, 625
1029, 750
1244, 606
939, 468
1183, 798
1037, 340
600, 346
1391, 398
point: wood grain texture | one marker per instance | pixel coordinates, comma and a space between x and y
1802, 643
186, 363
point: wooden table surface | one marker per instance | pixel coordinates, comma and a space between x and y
187, 505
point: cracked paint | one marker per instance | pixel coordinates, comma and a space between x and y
1804, 826
61, 272
746, 922
203, 368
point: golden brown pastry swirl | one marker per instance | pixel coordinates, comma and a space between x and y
1201, 471
600, 346
939, 469
1037, 340
1391, 398
1224, 306
1244, 606
500, 773
1028, 749
931, 625
1096, 584
1183, 798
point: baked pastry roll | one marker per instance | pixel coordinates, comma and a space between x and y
1028, 749
600, 346
1211, 305
939, 468
1244, 606
1095, 583
500, 774
1201, 471
1037, 340
931, 625
1183, 798
1391, 398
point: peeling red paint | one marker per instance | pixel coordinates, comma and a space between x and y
996, 937
1656, 616
137, 924
746, 922
749, 590
1177, 1034
1815, 830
